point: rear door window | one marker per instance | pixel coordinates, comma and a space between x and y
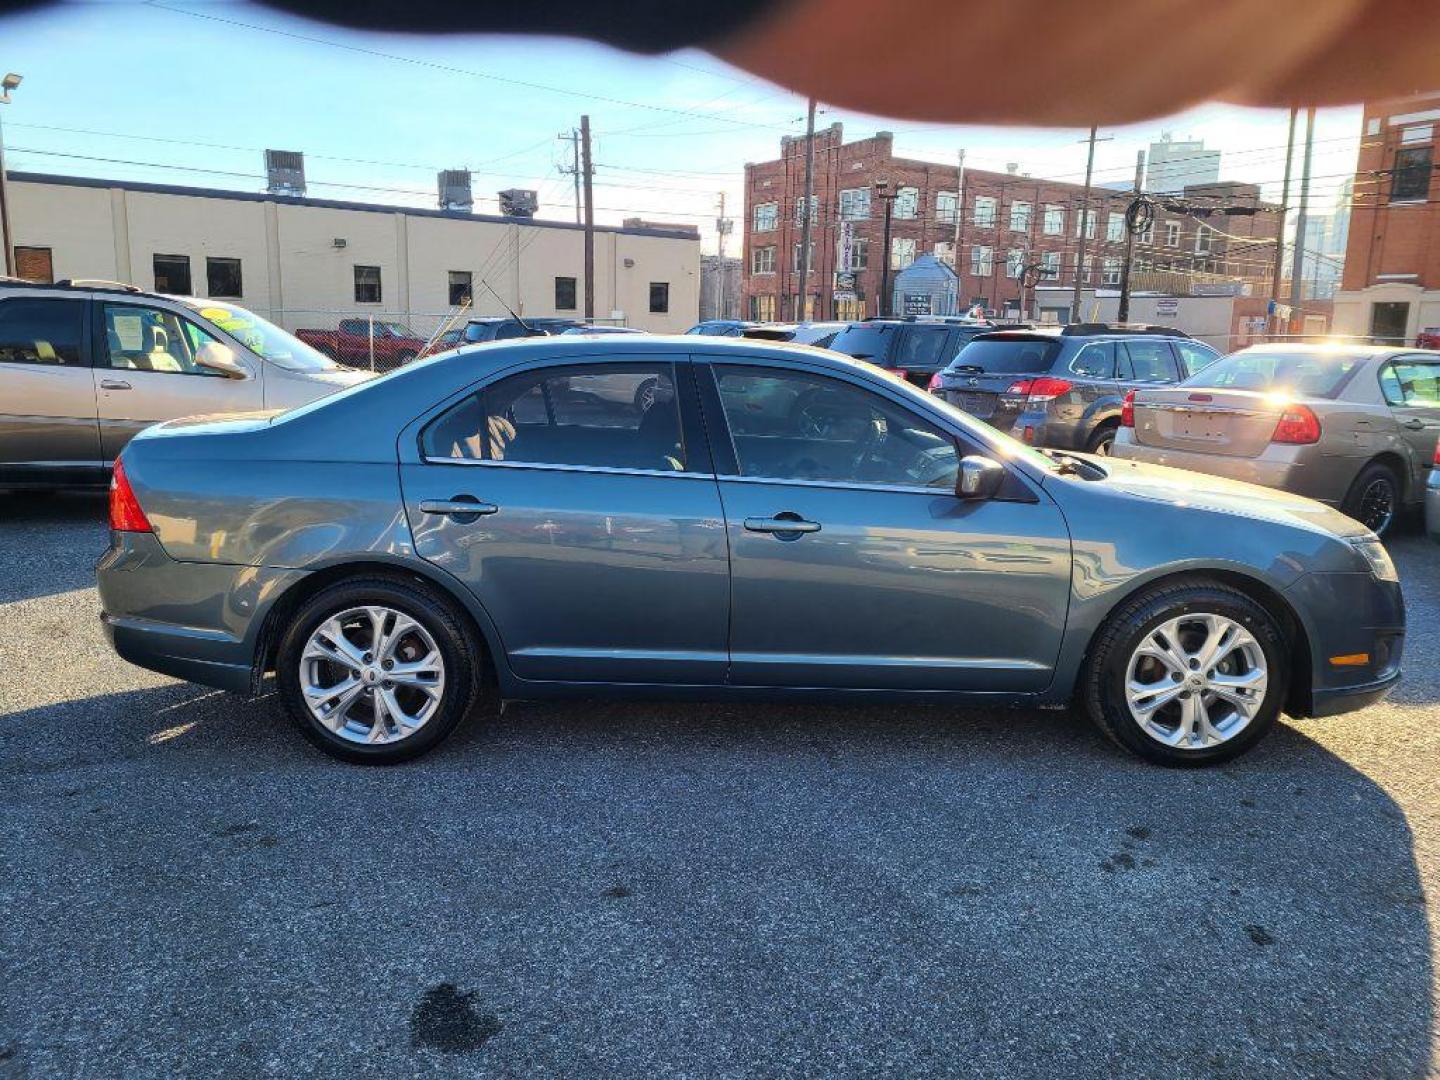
41, 331
1194, 357
1412, 383
922, 347
1147, 362
610, 416
1094, 361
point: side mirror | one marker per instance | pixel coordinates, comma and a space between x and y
222, 359
979, 478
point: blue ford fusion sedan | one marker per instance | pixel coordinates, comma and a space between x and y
690, 517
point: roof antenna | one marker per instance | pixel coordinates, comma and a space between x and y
527, 327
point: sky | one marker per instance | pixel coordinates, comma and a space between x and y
183, 92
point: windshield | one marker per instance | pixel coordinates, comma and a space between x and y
263, 338
1300, 374
1008, 356
866, 341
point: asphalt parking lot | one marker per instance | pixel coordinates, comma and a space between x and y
706, 891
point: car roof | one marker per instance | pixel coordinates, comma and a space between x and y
585, 347
1333, 348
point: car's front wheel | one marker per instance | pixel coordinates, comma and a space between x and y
1190, 673
376, 671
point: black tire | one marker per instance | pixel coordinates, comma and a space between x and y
1376, 483
427, 606
403, 357
1102, 440
1103, 681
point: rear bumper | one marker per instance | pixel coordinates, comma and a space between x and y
195, 621
1280, 467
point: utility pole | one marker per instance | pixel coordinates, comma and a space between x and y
883, 192
1124, 313
806, 215
588, 172
959, 217
1297, 267
722, 228
574, 140
1084, 229
1280, 234
10, 82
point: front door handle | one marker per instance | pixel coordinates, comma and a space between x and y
462, 508
781, 523
114, 384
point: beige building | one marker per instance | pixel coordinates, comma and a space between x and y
305, 262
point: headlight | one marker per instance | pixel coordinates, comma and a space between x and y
1375, 554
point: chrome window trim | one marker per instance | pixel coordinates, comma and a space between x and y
609, 470
840, 485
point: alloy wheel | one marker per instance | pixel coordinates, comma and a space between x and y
1196, 681
372, 675
1377, 504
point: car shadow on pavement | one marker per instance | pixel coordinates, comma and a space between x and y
40, 536
703, 889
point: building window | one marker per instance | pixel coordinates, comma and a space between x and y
859, 253
222, 278
800, 210
1411, 179
1050, 264
1088, 221
762, 308
1019, 217
1115, 228
172, 274
458, 287
659, 297
1054, 219
1172, 234
1088, 266
565, 293
1110, 271
982, 261
902, 252
907, 202
984, 212
35, 264
795, 253
762, 260
367, 284
1148, 236
855, 204
1202, 239
767, 216
945, 252
946, 203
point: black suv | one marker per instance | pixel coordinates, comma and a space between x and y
915, 348
1065, 387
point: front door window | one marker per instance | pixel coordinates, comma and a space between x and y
153, 339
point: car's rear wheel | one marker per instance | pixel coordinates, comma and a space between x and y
1191, 673
1102, 442
1374, 497
376, 671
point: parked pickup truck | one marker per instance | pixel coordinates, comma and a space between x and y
395, 343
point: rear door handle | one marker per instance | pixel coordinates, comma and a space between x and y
114, 384
781, 523
458, 507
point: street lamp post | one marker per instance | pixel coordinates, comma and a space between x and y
8, 83
885, 195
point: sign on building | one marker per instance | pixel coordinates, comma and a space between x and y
915, 304
845, 248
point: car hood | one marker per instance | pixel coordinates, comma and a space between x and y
1178, 487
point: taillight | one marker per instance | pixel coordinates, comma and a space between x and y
1127, 410
1437, 455
1297, 425
1020, 388
1048, 389
125, 512
900, 373
934, 384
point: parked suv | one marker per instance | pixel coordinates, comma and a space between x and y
914, 348
86, 365
503, 327
1065, 388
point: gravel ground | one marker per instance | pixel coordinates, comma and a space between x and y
703, 891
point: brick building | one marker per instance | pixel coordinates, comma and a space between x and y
1009, 221
1391, 284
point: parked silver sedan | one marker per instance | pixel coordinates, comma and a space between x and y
1352, 426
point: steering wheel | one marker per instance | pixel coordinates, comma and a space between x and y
868, 444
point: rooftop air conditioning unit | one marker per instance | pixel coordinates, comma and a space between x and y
519, 202
455, 192
284, 172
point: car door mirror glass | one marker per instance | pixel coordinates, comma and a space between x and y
220, 358
979, 478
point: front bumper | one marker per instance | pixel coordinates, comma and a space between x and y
1350, 698
195, 621
1347, 616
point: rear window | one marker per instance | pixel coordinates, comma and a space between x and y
865, 341
1009, 356
1301, 374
